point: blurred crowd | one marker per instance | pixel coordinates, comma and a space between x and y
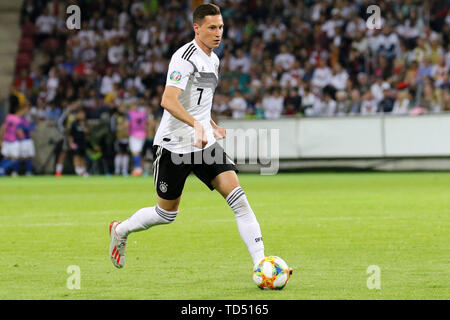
278, 58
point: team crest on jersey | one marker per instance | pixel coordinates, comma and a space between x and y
163, 187
175, 76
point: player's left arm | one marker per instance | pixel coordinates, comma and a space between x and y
219, 132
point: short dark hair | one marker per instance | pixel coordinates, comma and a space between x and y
203, 10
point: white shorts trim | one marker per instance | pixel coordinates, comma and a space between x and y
27, 148
136, 144
11, 149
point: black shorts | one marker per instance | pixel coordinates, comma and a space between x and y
121, 146
170, 170
80, 150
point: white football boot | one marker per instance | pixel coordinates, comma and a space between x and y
117, 246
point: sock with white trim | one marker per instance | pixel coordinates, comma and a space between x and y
247, 224
117, 164
59, 167
125, 161
144, 219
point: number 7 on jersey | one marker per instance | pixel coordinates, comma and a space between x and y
200, 97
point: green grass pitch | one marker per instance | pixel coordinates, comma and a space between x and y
329, 227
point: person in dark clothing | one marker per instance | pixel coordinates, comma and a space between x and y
77, 142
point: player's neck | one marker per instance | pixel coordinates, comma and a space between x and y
203, 46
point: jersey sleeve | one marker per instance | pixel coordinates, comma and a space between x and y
179, 72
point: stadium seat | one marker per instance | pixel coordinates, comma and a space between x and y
23, 60
50, 45
28, 30
26, 45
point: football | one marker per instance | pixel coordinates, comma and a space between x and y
271, 272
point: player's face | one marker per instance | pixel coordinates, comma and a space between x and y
210, 31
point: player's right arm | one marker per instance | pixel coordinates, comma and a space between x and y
179, 71
171, 103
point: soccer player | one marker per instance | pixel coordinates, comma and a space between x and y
187, 132
137, 130
26, 144
77, 142
64, 124
121, 142
10, 134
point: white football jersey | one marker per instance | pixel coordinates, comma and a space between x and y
197, 74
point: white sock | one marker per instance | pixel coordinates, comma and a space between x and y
59, 167
125, 161
117, 163
78, 170
144, 219
247, 224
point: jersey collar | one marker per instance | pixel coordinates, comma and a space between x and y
201, 50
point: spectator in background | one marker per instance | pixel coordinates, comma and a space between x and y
420, 51
378, 87
45, 24
387, 103
440, 73
329, 27
339, 77
413, 27
285, 58
107, 84
355, 27
316, 108
436, 51
259, 110
322, 75
240, 60
368, 104
402, 102
52, 84
273, 104
329, 106
292, 101
308, 98
424, 71
389, 42
426, 103
293, 76
342, 103
238, 105
355, 102
363, 83
116, 52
